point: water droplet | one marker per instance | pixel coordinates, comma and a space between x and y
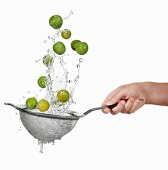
48, 50
60, 57
28, 92
38, 60
77, 65
76, 79
48, 37
40, 143
69, 81
67, 17
20, 128
81, 60
53, 39
45, 41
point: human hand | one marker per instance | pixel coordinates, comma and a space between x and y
130, 98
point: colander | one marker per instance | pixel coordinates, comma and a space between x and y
49, 127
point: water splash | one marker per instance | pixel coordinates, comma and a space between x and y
38, 60
69, 15
71, 12
59, 76
20, 128
40, 143
81, 60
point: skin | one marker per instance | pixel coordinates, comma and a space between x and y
150, 92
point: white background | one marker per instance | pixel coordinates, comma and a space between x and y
128, 42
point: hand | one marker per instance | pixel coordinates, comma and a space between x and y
135, 95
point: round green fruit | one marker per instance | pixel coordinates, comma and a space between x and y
31, 103
81, 48
74, 43
43, 105
63, 95
59, 48
48, 60
56, 21
66, 34
42, 81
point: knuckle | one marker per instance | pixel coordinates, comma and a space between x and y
131, 100
132, 111
123, 111
126, 111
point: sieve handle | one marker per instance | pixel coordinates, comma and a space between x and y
99, 108
111, 106
115, 104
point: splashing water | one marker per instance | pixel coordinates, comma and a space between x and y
40, 143
60, 77
63, 73
71, 12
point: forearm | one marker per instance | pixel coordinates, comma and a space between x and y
157, 93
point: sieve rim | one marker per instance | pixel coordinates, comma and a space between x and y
44, 115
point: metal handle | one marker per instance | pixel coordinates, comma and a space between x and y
103, 107
99, 108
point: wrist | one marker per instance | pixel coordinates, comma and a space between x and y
147, 86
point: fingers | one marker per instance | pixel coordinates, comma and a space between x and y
106, 110
128, 107
118, 108
133, 105
137, 104
135, 95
